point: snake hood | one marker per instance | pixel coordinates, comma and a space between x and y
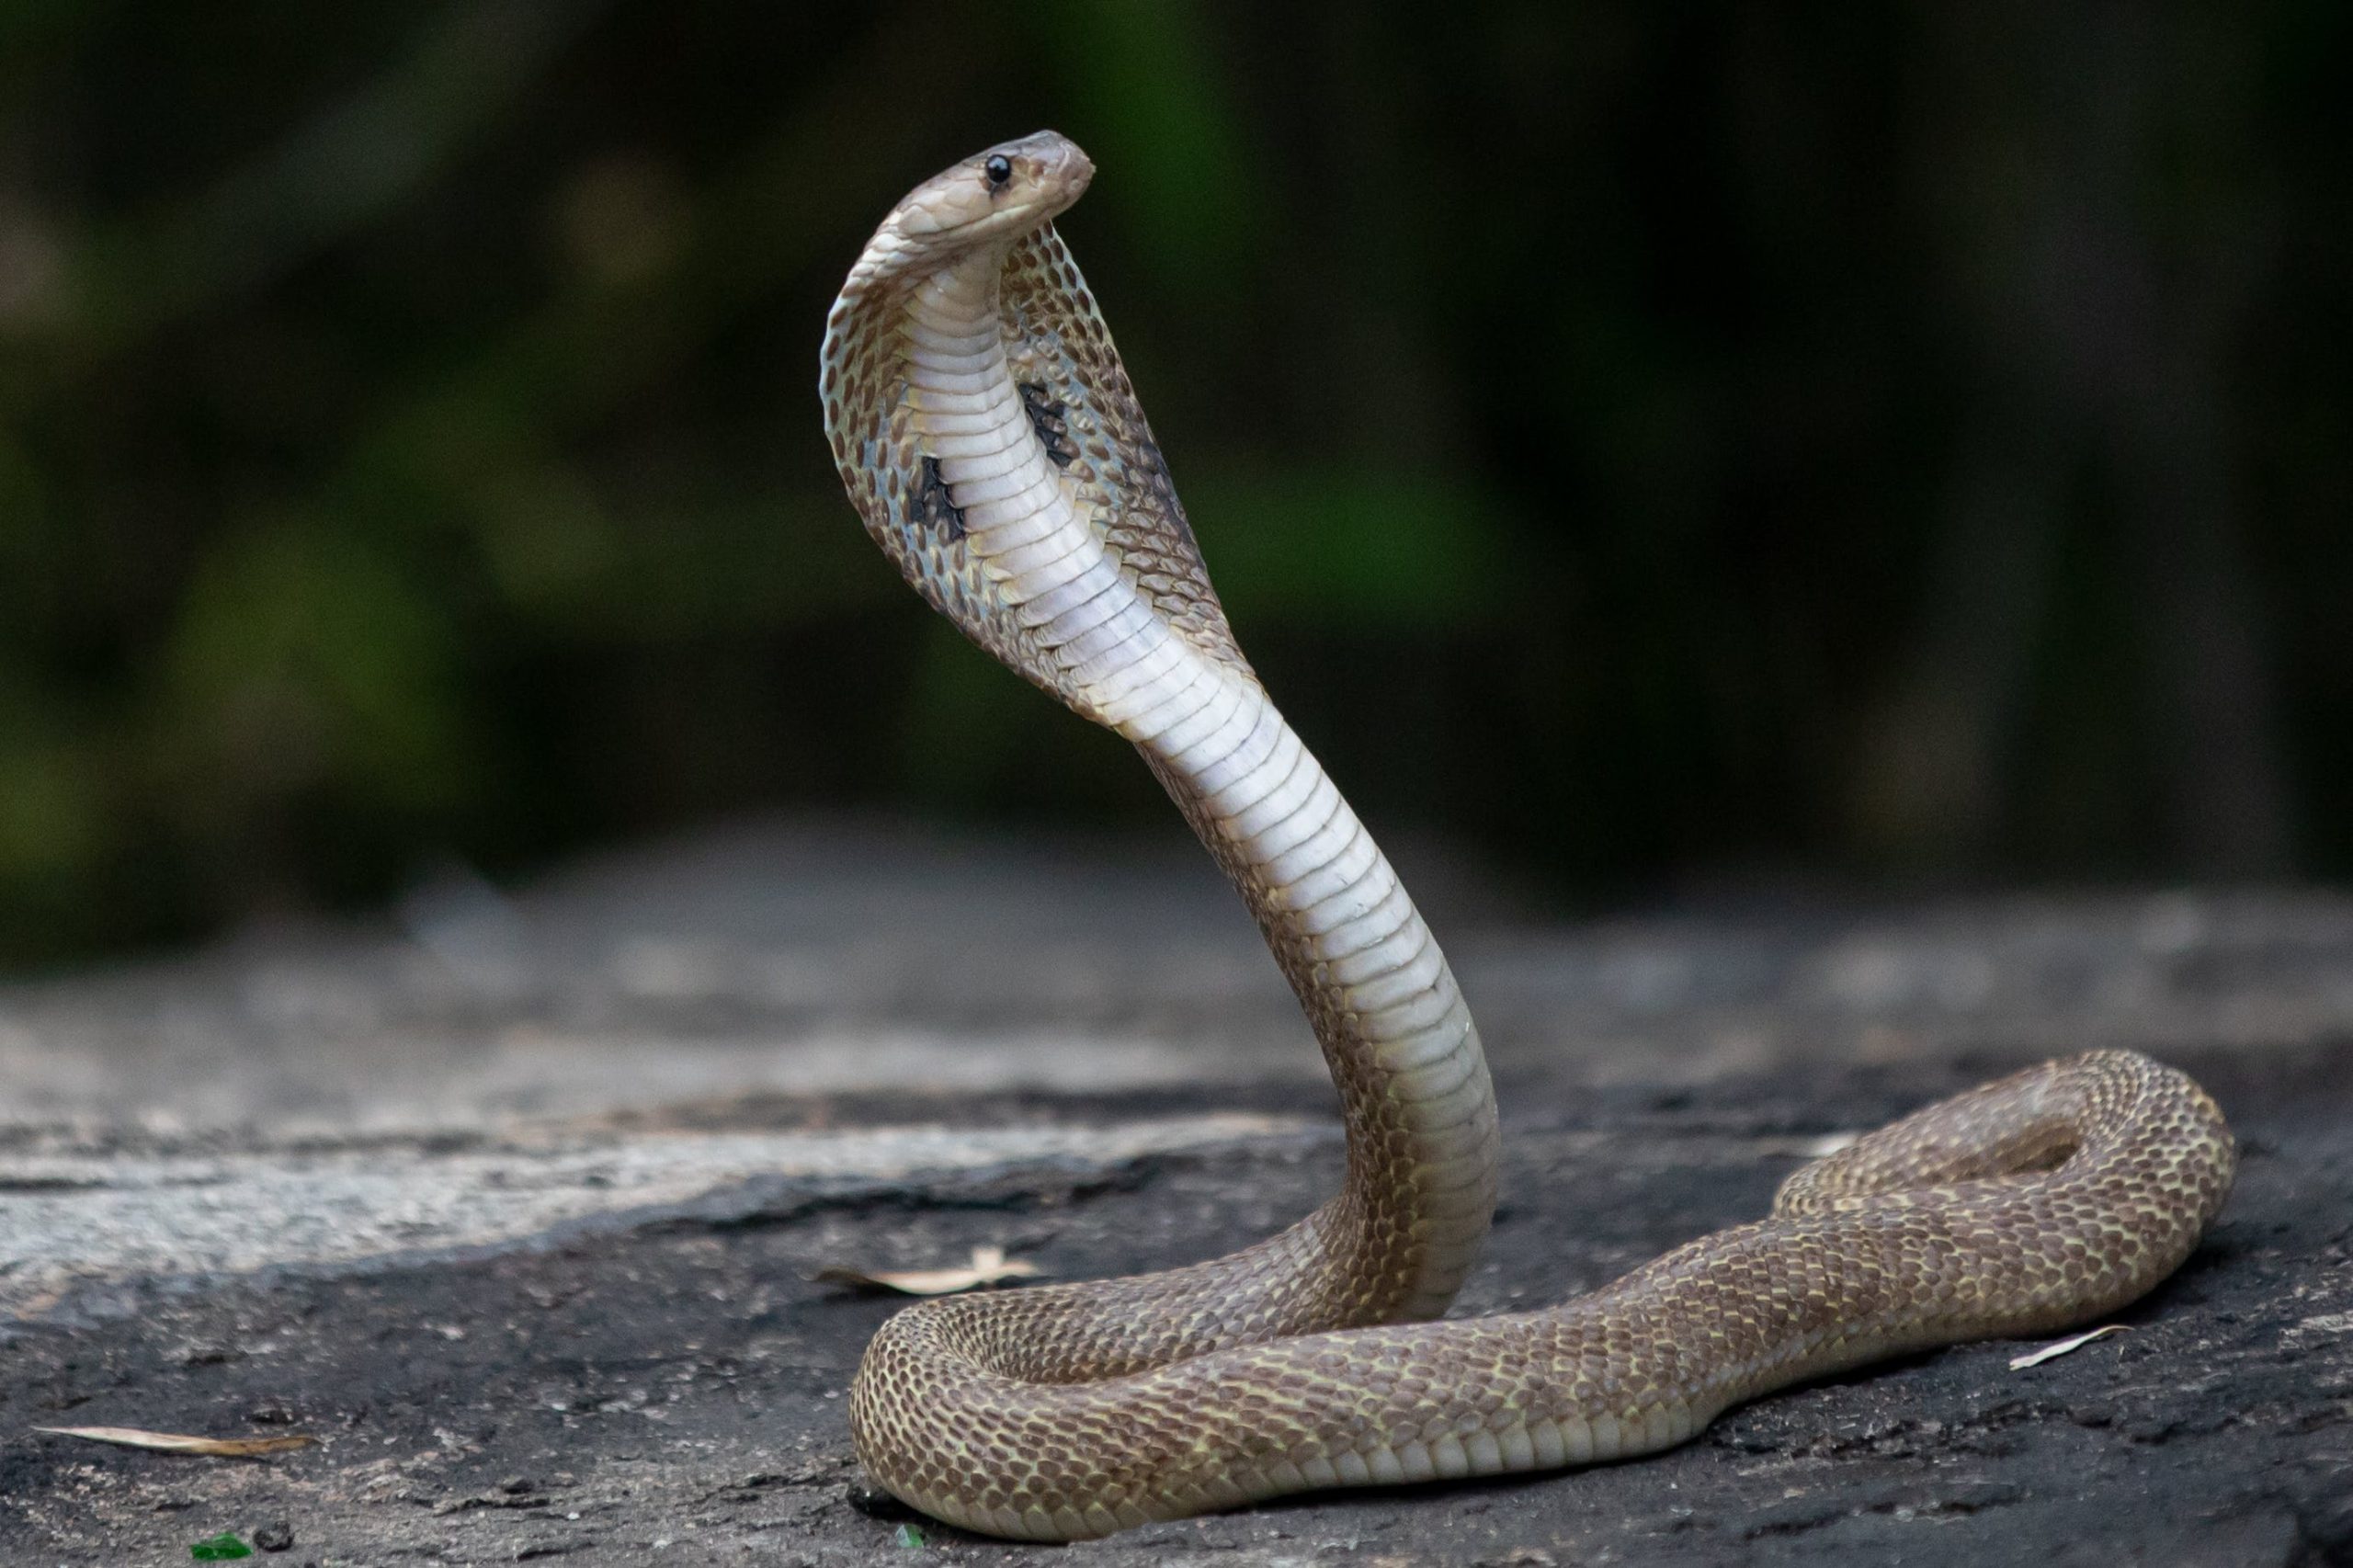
991, 199
984, 426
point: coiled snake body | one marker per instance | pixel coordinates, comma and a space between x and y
987, 432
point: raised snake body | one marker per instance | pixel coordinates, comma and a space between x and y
986, 431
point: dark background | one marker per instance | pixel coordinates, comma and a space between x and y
1657, 446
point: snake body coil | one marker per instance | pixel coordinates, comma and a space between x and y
986, 431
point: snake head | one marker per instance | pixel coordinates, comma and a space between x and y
992, 198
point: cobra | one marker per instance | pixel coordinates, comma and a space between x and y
989, 437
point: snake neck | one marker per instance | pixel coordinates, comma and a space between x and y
1394, 1029
1385, 1009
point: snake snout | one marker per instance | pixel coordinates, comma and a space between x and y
1059, 161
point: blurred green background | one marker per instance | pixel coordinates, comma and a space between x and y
1653, 443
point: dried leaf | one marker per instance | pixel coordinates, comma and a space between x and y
989, 1265
178, 1443
2053, 1351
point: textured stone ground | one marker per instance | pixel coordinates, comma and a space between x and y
514, 1205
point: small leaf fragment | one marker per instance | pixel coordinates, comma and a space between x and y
180, 1443
223, 1548
907, 1535
989, 1266
2051, 1352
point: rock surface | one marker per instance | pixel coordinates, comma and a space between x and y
514, 1206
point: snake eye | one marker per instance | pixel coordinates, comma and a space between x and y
999, 168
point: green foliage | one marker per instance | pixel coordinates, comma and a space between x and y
1883, 449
